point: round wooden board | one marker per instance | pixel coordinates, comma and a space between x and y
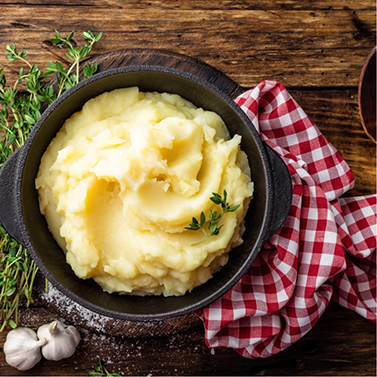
64, 306
78, 315
168, 59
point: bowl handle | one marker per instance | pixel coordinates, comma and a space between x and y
281, 191
8, 195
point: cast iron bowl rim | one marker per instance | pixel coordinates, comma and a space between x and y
178, 312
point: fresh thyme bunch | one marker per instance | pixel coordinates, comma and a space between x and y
19, 111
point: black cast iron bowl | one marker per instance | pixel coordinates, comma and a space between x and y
20, 215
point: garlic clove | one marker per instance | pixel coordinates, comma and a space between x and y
62, 340
22, 348
74, 333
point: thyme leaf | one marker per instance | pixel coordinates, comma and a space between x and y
214, 218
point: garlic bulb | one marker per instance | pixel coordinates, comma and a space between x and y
22, 348
62, 340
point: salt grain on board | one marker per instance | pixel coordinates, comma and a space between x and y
81, 316
91, 320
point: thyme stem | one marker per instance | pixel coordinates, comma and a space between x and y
214, 218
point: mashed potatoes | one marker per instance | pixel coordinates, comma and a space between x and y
124, 177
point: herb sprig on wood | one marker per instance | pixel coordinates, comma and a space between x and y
21, 105
100, 370
214, 218
68, 77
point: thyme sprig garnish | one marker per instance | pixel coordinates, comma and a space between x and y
214, 218
19, 111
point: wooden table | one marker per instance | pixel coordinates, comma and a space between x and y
317, 50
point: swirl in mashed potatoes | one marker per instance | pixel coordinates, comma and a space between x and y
123, 178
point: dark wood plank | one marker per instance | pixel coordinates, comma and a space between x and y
316, 49
238, 4
248, 42
341, 344
199, 4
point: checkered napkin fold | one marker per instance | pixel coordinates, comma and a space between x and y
325, 250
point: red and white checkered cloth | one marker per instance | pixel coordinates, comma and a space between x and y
325, 250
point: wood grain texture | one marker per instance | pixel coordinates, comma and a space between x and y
317, 50
299, 45
323, 351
